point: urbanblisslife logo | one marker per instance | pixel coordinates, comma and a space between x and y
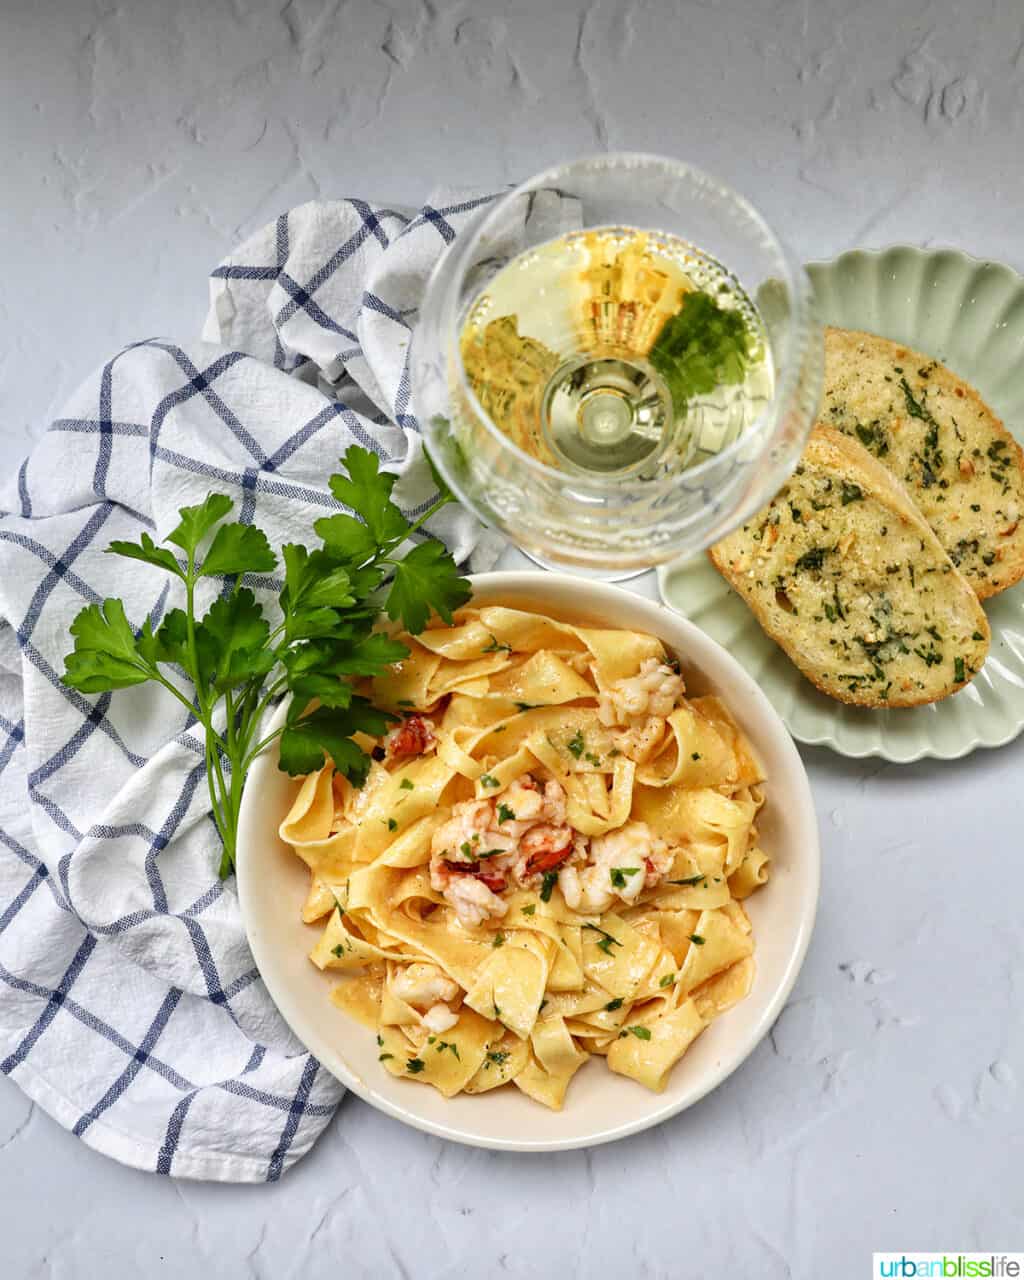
950, 1266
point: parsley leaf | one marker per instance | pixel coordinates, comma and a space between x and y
196, 522
426, 580
238, 548
641, 1033
415, 1065
147, 551
548, 883
234, 637
327, 730
106, 655
367, 491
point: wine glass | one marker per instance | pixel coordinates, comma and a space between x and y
617, 362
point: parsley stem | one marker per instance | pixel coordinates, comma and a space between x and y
443, 501
256, 715
190, 631
154, 674
262, 745
215, 801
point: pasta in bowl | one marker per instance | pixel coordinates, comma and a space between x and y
550, 861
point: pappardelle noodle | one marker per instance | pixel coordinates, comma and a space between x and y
548, 859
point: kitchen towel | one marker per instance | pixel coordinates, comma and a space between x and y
130, 1008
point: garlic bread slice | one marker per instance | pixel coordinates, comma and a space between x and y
844, 573
958, 462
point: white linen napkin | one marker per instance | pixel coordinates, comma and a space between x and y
130, 1008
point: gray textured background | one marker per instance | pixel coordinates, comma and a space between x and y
137, 143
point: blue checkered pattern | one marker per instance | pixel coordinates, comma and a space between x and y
130, 1008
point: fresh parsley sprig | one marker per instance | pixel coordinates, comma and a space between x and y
237, 663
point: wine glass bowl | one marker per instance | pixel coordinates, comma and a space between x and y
617, 362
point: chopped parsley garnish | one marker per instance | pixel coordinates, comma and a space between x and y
958, 669
576, 744
619, 874
415, 1065
813, 559
641, 1033
612, 1005
696, 939
977, 636
591, 758
466, 848
392, 824
689, 880
494, 645
338, 951
407, 784
498, 940
550, 880
505, 814
872, 437
383, 1057
695, 755
447, 1044
489, 853
498, 1056
667, 980
851, 493
607, 940
528, 911
914, 408
488, 781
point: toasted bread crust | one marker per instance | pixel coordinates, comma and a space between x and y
844, 573
960, 465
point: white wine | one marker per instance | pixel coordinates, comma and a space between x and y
617, 351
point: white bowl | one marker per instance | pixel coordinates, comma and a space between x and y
600, 1106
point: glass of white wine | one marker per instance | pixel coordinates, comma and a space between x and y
617, 362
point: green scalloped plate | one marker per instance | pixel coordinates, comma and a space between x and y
970, 315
